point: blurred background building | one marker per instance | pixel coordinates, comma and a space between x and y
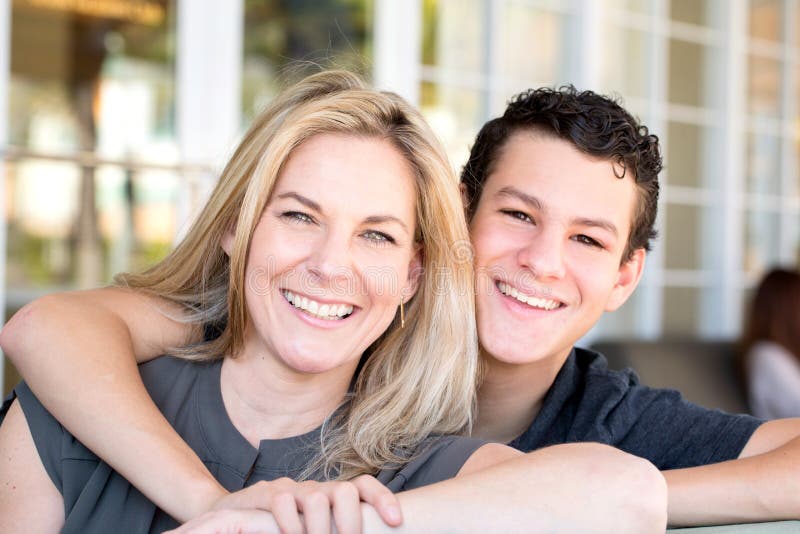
116, 115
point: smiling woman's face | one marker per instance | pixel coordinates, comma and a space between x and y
331, 255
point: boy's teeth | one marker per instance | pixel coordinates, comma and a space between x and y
544, 304
323, 311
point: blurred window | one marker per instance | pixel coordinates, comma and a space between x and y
286, 39
91, 129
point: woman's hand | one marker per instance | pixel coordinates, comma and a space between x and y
322, 504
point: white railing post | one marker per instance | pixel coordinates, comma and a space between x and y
208, 90
5, 79
398, 42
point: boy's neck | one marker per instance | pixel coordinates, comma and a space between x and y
511, 395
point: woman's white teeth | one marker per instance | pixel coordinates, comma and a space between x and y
544, 304
323, 311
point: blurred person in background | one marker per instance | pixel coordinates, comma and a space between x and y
770, 346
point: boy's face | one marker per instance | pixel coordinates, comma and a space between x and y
549, 233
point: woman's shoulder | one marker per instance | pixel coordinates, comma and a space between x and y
168, 377
437, 458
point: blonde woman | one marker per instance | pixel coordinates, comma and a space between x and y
334, 232
322, 226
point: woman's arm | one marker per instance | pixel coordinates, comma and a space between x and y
29, 502
77, 352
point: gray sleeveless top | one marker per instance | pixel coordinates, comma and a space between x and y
97, 499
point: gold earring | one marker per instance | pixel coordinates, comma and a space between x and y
402, 315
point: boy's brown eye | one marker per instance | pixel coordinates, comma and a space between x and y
522, 216
586, 240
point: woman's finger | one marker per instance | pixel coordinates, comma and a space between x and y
346, 505
316, 508
381, 498
284, 507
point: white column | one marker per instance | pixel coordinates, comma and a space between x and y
494, 13
724, 231
588, 54
397, 41
789, 161
650, 301
208, 95
5, 79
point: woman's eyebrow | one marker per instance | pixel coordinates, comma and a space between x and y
302, 200
372, 219
378, 219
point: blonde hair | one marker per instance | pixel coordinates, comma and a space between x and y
417, 380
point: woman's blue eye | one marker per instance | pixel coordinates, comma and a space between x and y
297, 216
378, 237
522, 216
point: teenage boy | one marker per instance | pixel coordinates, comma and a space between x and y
561, 194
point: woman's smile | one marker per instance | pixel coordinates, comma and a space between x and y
332, 313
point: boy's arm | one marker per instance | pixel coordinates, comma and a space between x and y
581, 487
78, 352
577, 487
763, 484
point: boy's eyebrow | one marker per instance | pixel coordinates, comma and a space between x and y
372, 219
537, 205
597, 223
513, 192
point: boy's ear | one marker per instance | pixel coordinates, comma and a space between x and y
628, 278
464, 199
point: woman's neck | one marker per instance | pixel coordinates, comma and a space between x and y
265, 399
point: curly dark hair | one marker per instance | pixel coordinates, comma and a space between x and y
596, 125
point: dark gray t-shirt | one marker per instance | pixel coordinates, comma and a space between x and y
97, 499
590, 402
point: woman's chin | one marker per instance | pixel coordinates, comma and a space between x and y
313, 364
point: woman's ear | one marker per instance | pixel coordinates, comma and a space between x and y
414, 274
